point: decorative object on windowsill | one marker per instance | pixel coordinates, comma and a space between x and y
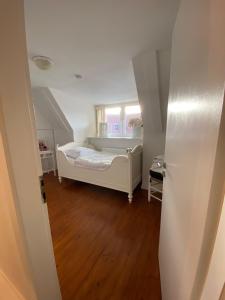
136, 124
129, 150
42, 146
102, 129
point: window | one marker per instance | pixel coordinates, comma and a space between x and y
132, 112
121, 120
113, 120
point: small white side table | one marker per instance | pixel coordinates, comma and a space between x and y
46, 156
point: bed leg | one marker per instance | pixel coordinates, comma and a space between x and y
60, 179
130, 197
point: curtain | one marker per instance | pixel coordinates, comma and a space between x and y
100, 117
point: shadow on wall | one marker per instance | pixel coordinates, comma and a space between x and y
152, 73
80, 115
51, 122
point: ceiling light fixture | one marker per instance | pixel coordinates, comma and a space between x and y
42, 62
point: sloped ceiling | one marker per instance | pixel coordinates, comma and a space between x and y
45, 102
97, 39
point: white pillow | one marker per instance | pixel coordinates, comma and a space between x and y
72, 153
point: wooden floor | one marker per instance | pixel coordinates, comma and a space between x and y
104, 247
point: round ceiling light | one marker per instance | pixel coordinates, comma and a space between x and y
42, 62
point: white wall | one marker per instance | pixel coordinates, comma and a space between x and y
192, 187
41, 121
23, 160
49, 119
44, 129
147, 80
163, 64
81, 115
51, 124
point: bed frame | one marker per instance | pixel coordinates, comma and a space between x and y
124, 174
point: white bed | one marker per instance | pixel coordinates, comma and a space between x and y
118, 172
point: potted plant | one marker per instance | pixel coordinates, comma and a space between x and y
136, 124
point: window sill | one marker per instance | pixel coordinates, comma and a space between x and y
114, 138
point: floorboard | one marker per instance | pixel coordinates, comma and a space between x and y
104, 247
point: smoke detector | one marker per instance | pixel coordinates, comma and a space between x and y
42, 62
78, 76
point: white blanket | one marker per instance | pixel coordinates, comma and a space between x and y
96, 160
91, 159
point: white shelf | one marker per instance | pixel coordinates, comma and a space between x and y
155, 188
48, 161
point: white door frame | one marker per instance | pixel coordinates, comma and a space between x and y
215, 209
22, 157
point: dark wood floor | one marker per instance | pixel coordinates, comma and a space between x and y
104, 247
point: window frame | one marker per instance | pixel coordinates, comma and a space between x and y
122, 115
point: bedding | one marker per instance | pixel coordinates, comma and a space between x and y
72, 153
89, 158
77, 151
97, 160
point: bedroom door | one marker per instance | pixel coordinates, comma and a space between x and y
22, 153
193, 186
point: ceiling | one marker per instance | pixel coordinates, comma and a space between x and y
97, 39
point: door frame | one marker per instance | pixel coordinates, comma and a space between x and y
215, 206
22, 157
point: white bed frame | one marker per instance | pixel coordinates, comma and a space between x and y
124, 174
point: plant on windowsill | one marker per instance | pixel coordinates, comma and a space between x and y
136, 124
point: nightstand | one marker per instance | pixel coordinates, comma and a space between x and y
156, 174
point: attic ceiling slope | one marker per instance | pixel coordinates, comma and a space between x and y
96, 39
46, 103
